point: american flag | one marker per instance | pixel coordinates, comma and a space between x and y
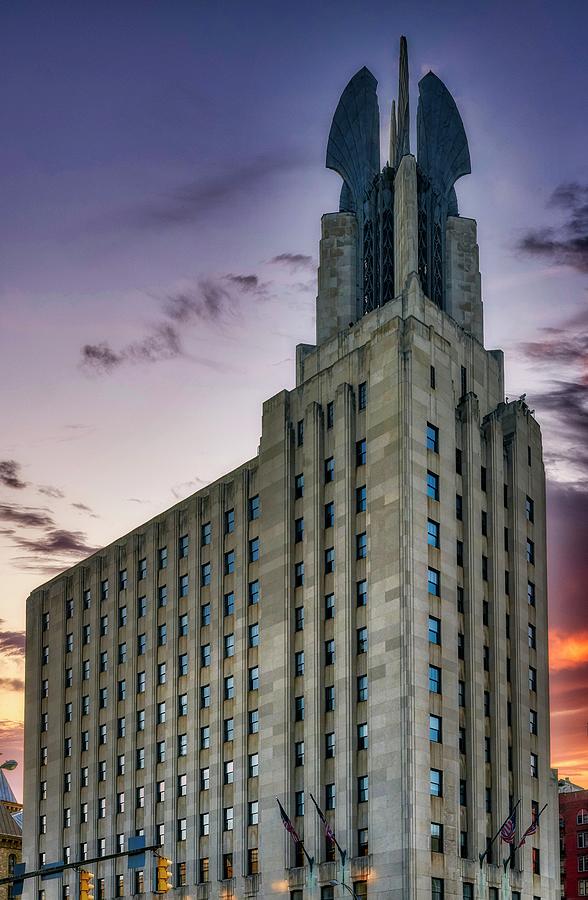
532, 827
330, 834
507, 832
288, 824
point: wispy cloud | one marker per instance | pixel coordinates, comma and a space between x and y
209, 300
48, 491
295, 261
12, 643
25, 515
57, 541
194, 201
12, 684
564, 244
10, 474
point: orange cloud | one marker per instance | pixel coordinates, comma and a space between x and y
566, 651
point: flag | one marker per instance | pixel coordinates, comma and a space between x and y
532, 827
507, 832
330, 834
288, 824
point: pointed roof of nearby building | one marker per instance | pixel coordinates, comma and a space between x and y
6, 793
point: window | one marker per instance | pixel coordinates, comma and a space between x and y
161, 673
298, 753
87, 599
254, 592
162, 595
299, 618
432, 378
298, 530
534, 765
435, 729
204, 696
362, 736
530, 593
483, 478
299, 803
160, 752
532, 679
204, 781
362, 789
434, 582
362, 842
460, 645
162, 558
45, 655
205, 577
536, 861
229, 645
432, 485
103, 626
203, 870
434, 630
300, 433
86, 670
254, 508
141, 644
182, 744
361, 545
68, 643
254, 549
330, 414
183, 664
461, 694
69, 609
532, 636
362, 640
162, 635
123, 579
183, 546
253, 861
329, 698
228, 818
458, 507
530, 551
433, 533
299, 709
299, 663
330, 745
435, 679
253, 765
253, 721
436, 782
437, 889
582, 817
229, 562
142, 569
159, 792
160, 716
205, 614
228, 730
362, 688
205, 534
329, 514
330, 800
329, 469
530, 509
184, 580
298, 574
432, 438
122, 616
459, 553
253, 678
299, 486
181, 830
329, 606
205, 737
329, 652
329, 560
361, 452
253, 812
86, 634
436, 837
362, 395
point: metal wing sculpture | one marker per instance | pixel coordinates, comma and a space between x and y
353, 149
442, 145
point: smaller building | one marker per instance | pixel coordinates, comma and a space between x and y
573, 826
10, 833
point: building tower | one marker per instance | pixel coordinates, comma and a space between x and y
359, 612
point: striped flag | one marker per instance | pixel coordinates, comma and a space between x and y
532, 828
330, 834
507, 832
288, 824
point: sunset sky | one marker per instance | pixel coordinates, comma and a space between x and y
161, 186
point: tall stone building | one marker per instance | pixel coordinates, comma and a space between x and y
359, 612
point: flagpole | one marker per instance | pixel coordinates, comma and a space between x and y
343, 853
534, 822
482, 856
286, 821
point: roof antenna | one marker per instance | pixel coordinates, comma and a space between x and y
403, 139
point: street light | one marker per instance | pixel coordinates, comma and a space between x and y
346, 886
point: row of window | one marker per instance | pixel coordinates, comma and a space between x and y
362, 396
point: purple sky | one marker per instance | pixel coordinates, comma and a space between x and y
162, 181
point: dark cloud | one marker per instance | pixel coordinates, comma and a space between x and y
57, 541
12, 643
196, 200
25, 515
12, 684
10, 474
209, 300
82, 507
295, 261
565, 243
49, 491
567, 539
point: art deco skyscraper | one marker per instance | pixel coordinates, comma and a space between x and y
358, 613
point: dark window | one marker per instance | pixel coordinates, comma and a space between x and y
458, 461
362, 395
300, 433
434, 581
505, 494
362, 593
362, 736
432, 438
298, 530
530, 552
205, 614
183, 546
484, 522
330, 414
433, 533
437, 889
299, 618
329, 469
329, 560
361, 545
459, 553
253, 592
437, 837
329, 606
299, 709
436, 782
531, 593
434, 630
432, 485
434, 679
329, 652
254, 549
361, 499
485, 568
299, 663
361, 452
229, 521
254, 508
299, 486
464, 381
432, 378
458, 507
206, 534
362, 688
298, 574
483, 478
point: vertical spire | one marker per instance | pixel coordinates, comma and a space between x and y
393, 135
403, 140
